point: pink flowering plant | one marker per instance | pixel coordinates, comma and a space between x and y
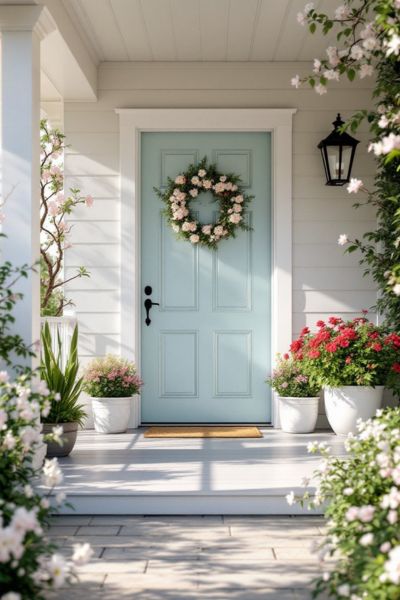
55, 206
355, 352
111, 377
289, 380
361, 493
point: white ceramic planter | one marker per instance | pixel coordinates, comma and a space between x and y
111, 415
298, 415
345, 405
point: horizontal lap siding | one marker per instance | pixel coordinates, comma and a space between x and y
325, 281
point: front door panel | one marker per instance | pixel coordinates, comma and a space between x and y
206, 353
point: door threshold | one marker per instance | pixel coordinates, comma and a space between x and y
200, 424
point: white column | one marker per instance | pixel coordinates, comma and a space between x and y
20, 155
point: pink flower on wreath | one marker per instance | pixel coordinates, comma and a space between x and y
235, 218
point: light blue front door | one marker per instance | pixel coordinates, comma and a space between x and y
206, 352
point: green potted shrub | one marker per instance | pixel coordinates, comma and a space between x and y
65, 411
353, 361
298, 398
113, 384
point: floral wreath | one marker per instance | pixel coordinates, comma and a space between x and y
187, 186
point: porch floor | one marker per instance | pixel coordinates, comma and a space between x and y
129, 474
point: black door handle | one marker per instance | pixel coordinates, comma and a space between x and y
148, 303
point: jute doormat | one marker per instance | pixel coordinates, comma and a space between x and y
203, 432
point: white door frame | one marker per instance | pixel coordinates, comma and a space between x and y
277, 121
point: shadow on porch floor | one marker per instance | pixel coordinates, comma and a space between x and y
128, 474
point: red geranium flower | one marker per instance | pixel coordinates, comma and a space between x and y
343, 342
334, 320
314, 354
296, 345
286, 356
377, 347
396, 367
320, 323
304, 331
348, 360
332, 347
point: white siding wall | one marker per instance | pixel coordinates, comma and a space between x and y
324, 280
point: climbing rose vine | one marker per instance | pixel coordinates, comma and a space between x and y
368, 43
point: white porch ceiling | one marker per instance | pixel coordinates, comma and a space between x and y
195, 30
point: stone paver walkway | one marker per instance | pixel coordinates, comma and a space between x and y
171, 558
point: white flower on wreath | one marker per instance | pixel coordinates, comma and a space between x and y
223, 178
194, 238
238, 199
180, 180
202, 173
237, 208
195, 180
206, 229
235, 218
194, 192
175, 227
219, 187
207, 184
218, 230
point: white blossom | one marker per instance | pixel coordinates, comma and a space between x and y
366, 539
58, 570
320, 89
396, 289
342, 239
52, 475
342, 13
290, 499
392, 566
295, 81
355, 185
393, 45
366, 70
356, 52
331, 74
82, 554
344, 590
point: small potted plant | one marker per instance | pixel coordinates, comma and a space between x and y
65, 411
112, 383
297, 398
353, 361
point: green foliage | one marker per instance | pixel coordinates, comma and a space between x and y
111, 377
11, 344
64, 383
232, 204
289, 379
362, 498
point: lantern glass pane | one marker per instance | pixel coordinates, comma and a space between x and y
346, 156
333, 160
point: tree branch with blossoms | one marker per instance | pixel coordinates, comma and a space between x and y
54, 207
368, 43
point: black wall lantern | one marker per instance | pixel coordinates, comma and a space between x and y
338, 150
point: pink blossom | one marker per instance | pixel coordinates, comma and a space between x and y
354, 186
89, 201
53, 208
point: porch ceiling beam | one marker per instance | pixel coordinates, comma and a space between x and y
65, 58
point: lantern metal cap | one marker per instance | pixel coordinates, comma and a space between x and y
336, 138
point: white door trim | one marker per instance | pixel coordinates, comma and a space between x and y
278, 121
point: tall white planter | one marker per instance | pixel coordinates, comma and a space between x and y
62, 327
111, 415
298, 415
345, 405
